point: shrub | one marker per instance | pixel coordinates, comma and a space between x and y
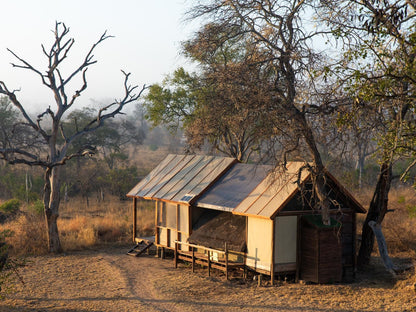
8, 265
29, 235
411, 210
37, 207
10, 207
153, 147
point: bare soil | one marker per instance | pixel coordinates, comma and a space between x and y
106, 279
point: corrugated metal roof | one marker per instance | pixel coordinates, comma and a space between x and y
221, 183
181, 177
233, 187
272, 192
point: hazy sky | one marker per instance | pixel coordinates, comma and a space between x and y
147, 40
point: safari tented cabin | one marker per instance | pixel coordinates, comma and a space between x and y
223, 214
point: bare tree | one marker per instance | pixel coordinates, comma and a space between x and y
47, 143
279, 30
378, 70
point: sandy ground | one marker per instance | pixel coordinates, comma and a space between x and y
109, 280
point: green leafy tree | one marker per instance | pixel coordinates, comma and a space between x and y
110, 140
282, 33
227, 103
378, 71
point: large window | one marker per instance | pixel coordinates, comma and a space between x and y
166, 215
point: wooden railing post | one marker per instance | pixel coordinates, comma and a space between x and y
193, 259
226, 261
134, 218
209, 263
176, 255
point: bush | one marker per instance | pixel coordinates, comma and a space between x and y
10, 207
153, 147
29, 235
8, 266
37, 207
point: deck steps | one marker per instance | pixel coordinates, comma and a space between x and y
141, 246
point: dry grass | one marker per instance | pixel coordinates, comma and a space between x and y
399, 225
80, 226
29, 234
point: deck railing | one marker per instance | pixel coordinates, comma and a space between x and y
209, 257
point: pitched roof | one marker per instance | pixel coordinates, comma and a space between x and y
275, 191
233, 187
181, 178
272, 192
220, 183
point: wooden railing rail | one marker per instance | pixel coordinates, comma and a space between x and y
207, 260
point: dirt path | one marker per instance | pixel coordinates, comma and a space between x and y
89, 281
108, 280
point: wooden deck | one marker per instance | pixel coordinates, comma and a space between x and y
206, 258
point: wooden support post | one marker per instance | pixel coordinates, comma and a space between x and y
168, 234
193, 259
298, 248
162, 253
272, 265
226, 261
157, 240
176, 255
354, 243
177, 224
134, 218
209, 263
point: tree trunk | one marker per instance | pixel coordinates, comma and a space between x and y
382, 247
51, 204
376, 213
318, 172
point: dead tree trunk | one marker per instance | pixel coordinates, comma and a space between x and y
376, 213
382, 247
51, 205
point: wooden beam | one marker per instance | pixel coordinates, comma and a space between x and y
176, 255
354, 243
246, 251
134, 218
272, 265
298, 248
157, 240
193, 259
209, 263
189, 221
177, 224
226, 260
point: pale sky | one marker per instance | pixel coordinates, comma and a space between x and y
147, 43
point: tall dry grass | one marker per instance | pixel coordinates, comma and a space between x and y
110, 221
28, 234
80, 226
399, 225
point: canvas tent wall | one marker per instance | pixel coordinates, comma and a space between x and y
174, 184
205, 189
274, 210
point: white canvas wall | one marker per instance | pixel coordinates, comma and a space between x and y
173, 224
259, 233
285, 239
